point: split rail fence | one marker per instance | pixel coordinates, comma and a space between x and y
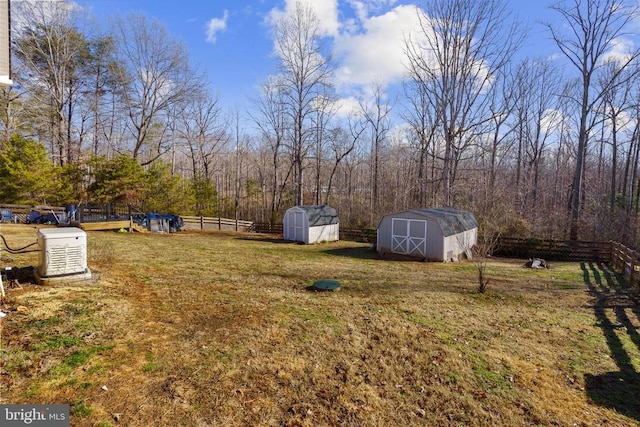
623, 259
558, 250
626, 261
365, 235
213, 223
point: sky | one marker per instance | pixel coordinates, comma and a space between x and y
232, 39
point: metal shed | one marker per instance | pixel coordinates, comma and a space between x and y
437, 234
311, 224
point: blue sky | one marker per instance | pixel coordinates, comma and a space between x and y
231, 39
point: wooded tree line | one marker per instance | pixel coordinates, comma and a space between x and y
532, 146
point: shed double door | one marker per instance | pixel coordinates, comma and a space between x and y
409, 236
299, 226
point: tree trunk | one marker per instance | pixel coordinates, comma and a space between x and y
576, 191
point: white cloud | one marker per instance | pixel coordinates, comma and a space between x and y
620, 51
326, 11
347, 107
400, 135
552, 120
25, 13
368, 41
215, 26
376, 55
364, 8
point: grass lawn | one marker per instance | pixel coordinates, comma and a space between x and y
209, 329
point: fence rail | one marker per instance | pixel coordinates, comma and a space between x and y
622, 259
213, 223
20, 213
366, 235
104, 212
267, 228
626, 261
559, 250
28, 208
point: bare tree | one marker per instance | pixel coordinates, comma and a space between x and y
10, 117
156, 75
305, 75
272, 121
101, 71
420, 116
376, 114
342, 144
501, 107
54, 59
455, 55
591, 28
202, 130
324, 112
536, 102
482, 252
632, 160
616, 105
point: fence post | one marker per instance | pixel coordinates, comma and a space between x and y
632, 266
236, 224
613, 251
201, 223
219, 223
622, 256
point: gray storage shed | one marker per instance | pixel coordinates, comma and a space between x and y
311, 224
438, 234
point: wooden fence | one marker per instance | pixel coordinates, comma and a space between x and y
558, 250
622, 259
103, 214
626, 261
366, 235
20, 213
84, 213
267, 228
212, 223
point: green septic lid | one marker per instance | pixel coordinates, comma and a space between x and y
326, 285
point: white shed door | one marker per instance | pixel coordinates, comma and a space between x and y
409, 236
298, 226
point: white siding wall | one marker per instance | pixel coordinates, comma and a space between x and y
457, 244
324, 233
295, 227
5, 55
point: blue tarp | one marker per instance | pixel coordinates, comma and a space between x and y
36, 217
176, 223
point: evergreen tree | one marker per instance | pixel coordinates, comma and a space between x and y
165, 192
26, 174
116, 180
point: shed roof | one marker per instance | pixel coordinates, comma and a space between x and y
451, 220
320, 215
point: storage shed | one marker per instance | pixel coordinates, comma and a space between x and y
437, 234
311, 224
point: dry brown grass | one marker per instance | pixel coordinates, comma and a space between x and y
220, 329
